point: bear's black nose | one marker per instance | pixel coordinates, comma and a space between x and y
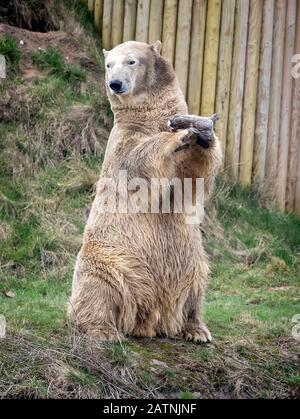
115, 85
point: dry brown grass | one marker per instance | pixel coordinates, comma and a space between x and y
34, 368
31, 367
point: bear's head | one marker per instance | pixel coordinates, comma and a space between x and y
134, 68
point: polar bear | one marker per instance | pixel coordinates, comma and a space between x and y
144, 274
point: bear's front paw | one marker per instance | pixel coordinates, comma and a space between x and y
197, 334
203, 138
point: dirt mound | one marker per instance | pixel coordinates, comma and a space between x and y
67, 43
60, 107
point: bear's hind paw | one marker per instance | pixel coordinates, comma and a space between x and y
199, 334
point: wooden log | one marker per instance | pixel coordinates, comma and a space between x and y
286, 104
169, 30
250, 92
275, 97
196, 55
201, 123
142, 20
263, 98
201, 127
183, 42
293, 185
107, 21
155, 21
210, 57
129, 20
98, 14
91, 4
117, 22
224, 70
237, 87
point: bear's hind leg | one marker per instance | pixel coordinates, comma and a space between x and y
97, 308
146, 323
194, 328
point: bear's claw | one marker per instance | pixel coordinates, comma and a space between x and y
199, 334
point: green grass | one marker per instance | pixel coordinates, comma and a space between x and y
53, 61
186, 395
120, 354
248, 308
84, 16
9, 48
254, 288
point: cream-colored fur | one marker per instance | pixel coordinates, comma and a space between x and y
144, 274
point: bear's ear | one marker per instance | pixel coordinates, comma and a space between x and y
105, 53
156, 47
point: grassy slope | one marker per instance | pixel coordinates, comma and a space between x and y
46, 185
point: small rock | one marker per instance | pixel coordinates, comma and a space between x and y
9, 294
158, 363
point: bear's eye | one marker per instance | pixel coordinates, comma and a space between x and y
108, 65
131, 62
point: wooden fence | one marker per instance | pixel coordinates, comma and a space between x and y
234, 57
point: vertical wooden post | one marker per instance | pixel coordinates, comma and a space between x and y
183, 42
237, 87
297, 187
250, 92
98, 12
155, 22
286, 104
169, 30
224, 69
275, 96
107, 21
117, 22
142, 21
196, 55
210, 57
91, 5
263, 98
129, 20
293, 185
